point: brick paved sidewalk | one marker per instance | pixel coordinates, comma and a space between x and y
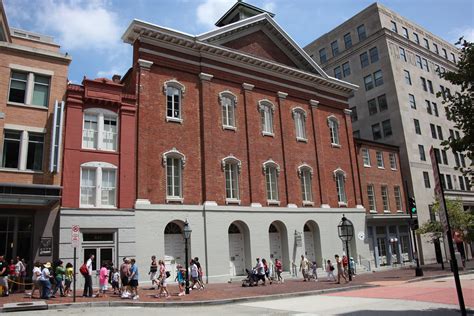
225, 291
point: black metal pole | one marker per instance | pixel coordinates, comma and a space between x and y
187, 265
418, 270
348, 261
74, 278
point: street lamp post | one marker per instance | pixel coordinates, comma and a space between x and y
187, 234
345, 230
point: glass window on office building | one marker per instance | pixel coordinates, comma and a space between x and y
348, 41
361, 32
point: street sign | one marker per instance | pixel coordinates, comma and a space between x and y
438, 189
75, 236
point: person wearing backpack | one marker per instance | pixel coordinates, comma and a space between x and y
330, 271
4, 271
87, 277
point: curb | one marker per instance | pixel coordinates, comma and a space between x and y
440, 276
207, 302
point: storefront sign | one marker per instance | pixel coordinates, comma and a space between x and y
46, 247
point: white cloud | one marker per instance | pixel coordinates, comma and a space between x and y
467, 32
211, 10
269, 6
81, 24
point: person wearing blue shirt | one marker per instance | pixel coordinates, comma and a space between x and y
134, 280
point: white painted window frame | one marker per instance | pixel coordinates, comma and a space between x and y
100, 114
235, 169
227, 110
271, 171
299, 116
98, 167
174, 154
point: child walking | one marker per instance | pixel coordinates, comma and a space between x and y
279, 270
68, 279
180, 279
314, 270
115, 281
330, 271
103, 278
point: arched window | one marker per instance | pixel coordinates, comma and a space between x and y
99, 130
299, 116
340, 178
231, 167
98, 184
266, 109
174, 91
174, 162
305, 173
271, 170
228, 102
334, 130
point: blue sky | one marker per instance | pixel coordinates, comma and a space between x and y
90, 30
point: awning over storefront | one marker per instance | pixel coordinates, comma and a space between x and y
388, 218
29, 194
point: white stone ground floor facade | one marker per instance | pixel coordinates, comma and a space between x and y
227, 239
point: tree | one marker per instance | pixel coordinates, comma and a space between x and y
459, 220
459, 105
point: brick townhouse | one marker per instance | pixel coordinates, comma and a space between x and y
33, 79
99, 171
243, 135
383, 196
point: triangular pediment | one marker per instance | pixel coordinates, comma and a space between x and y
262, 37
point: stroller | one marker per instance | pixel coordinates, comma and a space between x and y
252, 278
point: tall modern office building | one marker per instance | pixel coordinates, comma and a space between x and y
396, 63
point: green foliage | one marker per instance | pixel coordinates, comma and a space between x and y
459, 220
459, 105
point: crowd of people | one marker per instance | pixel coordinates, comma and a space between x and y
12, 275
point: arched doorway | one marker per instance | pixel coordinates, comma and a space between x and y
174, 246
312, 243
278, 238
239, 248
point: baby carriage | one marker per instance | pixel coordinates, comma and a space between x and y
252, 278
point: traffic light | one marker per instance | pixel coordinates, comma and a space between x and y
412, 205
414, 224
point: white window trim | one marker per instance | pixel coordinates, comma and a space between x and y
332, 118
231, 95
176, 154
182, 88
262, 104
375, 199
233, 160
98, 166
395, 160
272, 163
301, 168
377, 159
100, 113
388, 198
335, 174
300, 110
368, 155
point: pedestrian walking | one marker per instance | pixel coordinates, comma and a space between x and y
259, 271
68, 277
115, 281
304, 268
103, 279
267, 270
4, 271
36, 279
314, 270
88, 277
180, 272
194, 275
330, 271
340, 270
200, 272
345, 265
45, 280
279, 270
153, 273
133, 279
59, 273
163, 280
124, 274
352, 266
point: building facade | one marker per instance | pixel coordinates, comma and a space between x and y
397, 63
99, 187
383, 196
243, 135
33, 79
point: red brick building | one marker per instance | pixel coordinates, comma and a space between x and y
99, 187
242, 134
383, 197
33, 80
